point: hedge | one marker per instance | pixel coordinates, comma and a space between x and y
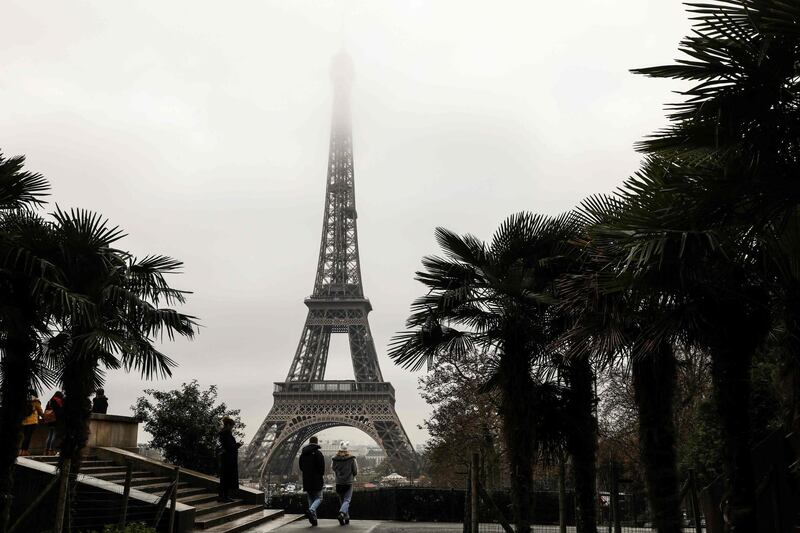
420, 504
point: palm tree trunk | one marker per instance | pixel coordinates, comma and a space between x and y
16, 371
730, 374
582, 444
562, 496
792, 364
518, 436
78, 381
654, 382
793, 369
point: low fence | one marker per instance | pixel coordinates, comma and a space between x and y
413, 504
416, 504
619, 511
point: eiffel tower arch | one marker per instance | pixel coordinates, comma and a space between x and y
306, 403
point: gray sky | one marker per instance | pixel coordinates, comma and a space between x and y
201, 128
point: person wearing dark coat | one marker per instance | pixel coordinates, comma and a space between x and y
312, 464
54, 419
228, 461
100, 402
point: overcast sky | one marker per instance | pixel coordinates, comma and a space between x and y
201, 128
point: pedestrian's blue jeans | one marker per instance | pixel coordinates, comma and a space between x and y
345, 497
314, 500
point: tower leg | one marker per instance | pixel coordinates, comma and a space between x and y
362, 352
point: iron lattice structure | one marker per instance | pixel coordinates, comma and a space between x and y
306, 403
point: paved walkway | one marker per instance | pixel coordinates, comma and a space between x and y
353, 527
377, 526
385, 526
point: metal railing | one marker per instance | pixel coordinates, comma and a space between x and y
65, 503
334, 386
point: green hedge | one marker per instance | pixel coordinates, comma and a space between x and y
130, 528
419, 504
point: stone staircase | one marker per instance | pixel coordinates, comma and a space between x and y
210, 515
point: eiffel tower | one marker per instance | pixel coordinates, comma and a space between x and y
306, 403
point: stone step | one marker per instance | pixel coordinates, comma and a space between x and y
214, 506
92, 470
273, 524
236, 520
197, 499
161, 486
190, 491
98, 463
139, 481
211, 516
113, 476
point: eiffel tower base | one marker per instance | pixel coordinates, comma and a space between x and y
306, 403
302, 409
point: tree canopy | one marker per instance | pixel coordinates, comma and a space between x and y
184, 424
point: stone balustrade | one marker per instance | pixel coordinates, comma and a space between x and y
114, 431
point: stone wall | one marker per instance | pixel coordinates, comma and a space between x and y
104, 431
113, 431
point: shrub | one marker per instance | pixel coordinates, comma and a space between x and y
419, 504
136, 527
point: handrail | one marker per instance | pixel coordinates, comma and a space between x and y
334, 386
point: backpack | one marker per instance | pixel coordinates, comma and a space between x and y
49, 416
49, 412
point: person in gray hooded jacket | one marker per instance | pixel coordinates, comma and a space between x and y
345, 467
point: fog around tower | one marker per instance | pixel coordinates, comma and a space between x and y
202, 130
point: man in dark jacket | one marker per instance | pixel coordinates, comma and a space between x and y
100, 402
228, 461
312, 464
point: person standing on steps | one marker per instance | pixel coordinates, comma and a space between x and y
54, 419
35, 413
100, 402
228, 461
312, 465
346, 469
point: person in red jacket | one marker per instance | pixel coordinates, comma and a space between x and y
54, 418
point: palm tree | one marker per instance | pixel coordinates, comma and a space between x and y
24, 279
95, 306
701, 287
494, 298
782, 269
737, 141
122, 319
609, 314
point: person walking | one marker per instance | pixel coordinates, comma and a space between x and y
346, 469
228, 461
54, 419
100, 402
312, 465
30, 422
